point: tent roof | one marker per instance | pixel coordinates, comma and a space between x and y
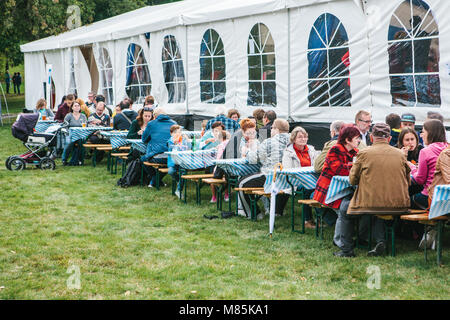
160, 17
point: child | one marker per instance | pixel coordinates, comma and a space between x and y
177, 142
223, 139
211, 138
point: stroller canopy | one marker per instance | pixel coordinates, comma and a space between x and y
24, 126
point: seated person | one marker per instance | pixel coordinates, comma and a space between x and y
335, 127
258, 114
433, 134
222, 137
122, 120
156, 135
269, 153
84, 107
41, 108
139, 124
74, 119
234, 115
230, 124
99, 119
64, 109
394, 121
382, 175
299, 154
211, 138
338, 162
177, 142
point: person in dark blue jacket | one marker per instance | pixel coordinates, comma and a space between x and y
156, 135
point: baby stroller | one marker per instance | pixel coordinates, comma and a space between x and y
41, 146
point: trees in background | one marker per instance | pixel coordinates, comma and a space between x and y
22, 21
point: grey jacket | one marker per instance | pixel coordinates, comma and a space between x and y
270, 152
290, 159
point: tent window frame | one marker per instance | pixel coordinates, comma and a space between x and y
327, 45
132, 59
208, 86
108, 90
260, 51
171, 58
413, 37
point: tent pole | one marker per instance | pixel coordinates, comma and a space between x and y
187, 70
289, 63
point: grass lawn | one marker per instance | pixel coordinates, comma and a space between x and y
140, 243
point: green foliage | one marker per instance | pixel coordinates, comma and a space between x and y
22, 21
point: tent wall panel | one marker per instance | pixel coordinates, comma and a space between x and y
302, 20
56, 58
35, 76
379, 17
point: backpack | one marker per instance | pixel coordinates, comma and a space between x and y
132, 176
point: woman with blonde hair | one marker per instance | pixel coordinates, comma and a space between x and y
41, 108
300, 154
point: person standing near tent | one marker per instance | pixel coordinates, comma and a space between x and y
7, 81
14, 79
18, 82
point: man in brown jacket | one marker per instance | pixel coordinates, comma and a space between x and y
383, 176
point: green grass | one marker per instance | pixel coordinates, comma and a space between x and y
15, 102
140, 243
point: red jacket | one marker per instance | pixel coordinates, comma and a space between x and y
62, 112
337, 163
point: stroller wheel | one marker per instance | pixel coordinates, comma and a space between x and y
16, 164
47, 164
7, 162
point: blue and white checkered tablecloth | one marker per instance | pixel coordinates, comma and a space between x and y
238, 167
117, 138
138, 145
43, 125
192, 160
339, 188
77, 133
441, 201
191, 134
304, 177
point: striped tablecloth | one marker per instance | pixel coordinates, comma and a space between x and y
77, 133
192, 160
117, 138
43, 125
304, 177
238, 167
138, 145
191, 134
339, 187
441, 201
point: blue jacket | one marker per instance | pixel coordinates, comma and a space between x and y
156, 135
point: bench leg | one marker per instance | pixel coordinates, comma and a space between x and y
124, 166
439, 242
142, 175
94, 158
370, 233
108, 164
425, 235
115, 164
157, 179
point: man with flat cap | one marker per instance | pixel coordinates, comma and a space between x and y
383, 176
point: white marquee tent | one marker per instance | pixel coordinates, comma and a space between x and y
309, 60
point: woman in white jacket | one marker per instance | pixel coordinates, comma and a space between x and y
300, 154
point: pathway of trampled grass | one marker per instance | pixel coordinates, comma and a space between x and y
139, 243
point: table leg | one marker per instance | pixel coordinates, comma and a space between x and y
439, 242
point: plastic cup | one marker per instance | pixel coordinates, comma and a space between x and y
44, 117
83, 124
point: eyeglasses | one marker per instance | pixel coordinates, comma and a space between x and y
147, 109
366, 121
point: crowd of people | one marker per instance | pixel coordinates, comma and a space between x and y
16, 80
394, 166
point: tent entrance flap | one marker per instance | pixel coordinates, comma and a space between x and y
88, 55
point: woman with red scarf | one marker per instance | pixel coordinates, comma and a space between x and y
300, 154
338, 162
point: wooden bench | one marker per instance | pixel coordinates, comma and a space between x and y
423, 218
197, 179
319, 218
156, 166
116, 156
100, 147
218, 184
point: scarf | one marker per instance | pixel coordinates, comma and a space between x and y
303, 156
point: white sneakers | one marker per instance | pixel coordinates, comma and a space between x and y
178, 193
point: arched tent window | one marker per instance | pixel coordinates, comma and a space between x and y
138, 84
328, 63
212, 68
413, 47
106, 76
173, 71
261, 67
72, 83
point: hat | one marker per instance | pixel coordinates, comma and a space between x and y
381, 130
408, 117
